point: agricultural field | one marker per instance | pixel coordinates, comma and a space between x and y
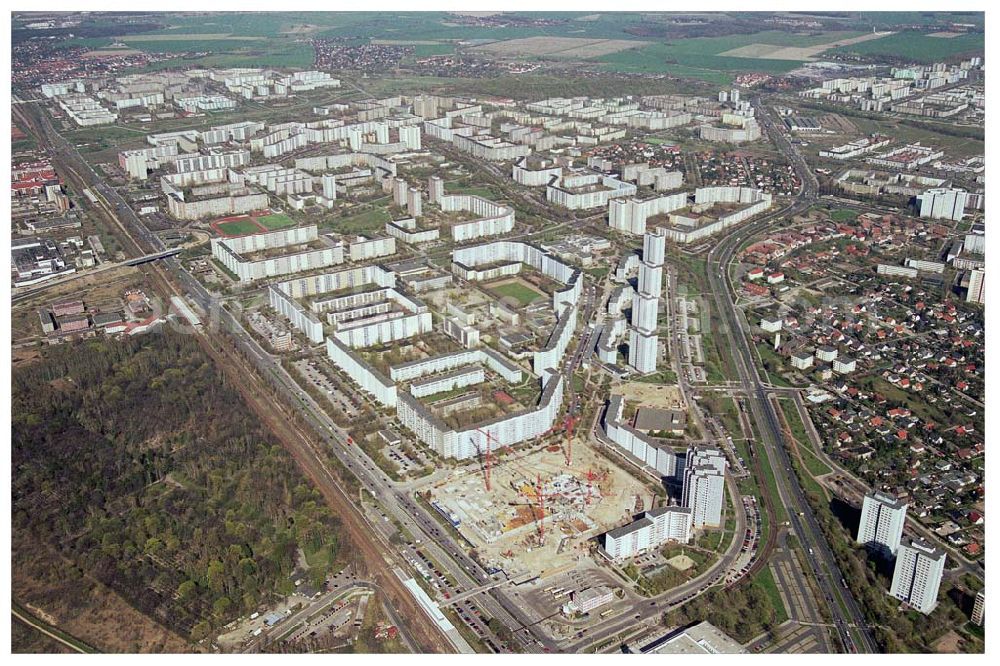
560, 47
775, 52
714, 58
919, 47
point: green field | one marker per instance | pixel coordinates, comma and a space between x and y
523, 294
843, 215
700, 57
485, 192
919, 47
367, 222
238, 227
765, 581
276, 221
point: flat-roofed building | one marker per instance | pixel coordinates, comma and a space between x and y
917, 576
882, 520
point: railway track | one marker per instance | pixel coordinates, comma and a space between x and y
278, 418
772, 534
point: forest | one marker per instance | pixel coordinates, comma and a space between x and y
136, 462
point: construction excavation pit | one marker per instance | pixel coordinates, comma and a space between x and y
541, 511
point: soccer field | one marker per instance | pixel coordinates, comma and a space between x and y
520, 292
238, 227
276, 221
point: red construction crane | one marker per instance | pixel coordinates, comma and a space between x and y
488, 456
568, 425
540, 517
590, 486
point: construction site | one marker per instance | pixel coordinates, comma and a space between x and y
538, 511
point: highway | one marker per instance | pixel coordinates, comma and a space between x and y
427, 533
144, 242
842, 605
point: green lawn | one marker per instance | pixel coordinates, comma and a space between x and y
476, 191
238, 227
276, 221
765, 581
523, 294
664, 377
426, 50
844, 215
656, 141
815, 466
368, 222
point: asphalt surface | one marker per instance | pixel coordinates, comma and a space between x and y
434, 540
842, 605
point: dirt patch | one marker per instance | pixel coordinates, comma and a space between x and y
950, 643
651, 395
52, 588
681, 562
110, 53
582, 499
406, 42
25, 355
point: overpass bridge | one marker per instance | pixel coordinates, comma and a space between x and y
153, 257
516, 580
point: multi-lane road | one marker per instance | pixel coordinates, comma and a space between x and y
427, 537
848, 618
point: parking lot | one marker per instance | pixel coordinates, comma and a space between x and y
346, 402
546, 598
408, 458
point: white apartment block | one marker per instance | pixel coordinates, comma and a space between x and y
656, 527
643, 342
979, 608
802, 360
487, 147
882, 521
977, 287
230, 253
448, 381
704, 485
494, 219
406, 230
917, 576
284, 296
466, 260
524, 174
630, 214
747, 130
214, 160
639, 446
943, 203
502, 432
204, 103
61, 88
581, 191
234, 202
85, 111
892, 270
